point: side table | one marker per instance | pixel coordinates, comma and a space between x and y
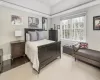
1, 60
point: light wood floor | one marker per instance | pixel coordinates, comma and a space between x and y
61, 69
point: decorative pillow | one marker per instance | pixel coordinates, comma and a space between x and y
33, 36
41, 35
77, 45
83, 45
27, 37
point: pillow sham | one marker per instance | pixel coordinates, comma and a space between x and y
41, 35
33, 36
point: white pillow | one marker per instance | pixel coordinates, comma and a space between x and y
33, 35
41, 35
27, 37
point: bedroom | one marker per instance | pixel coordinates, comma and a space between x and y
62, 67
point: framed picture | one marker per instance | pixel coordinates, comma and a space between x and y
58, 26
96, 23
44, 23
33, 22
55, 27
16, 20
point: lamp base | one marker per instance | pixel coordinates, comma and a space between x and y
18, 39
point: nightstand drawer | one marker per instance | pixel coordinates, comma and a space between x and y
1, 55
0, 67
17, 49
0, 59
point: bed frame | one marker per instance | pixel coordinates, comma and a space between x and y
46, 53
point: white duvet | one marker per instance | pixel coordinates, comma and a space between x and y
31, 50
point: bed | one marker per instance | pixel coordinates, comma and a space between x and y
41, 52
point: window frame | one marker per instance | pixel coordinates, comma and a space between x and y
71, 24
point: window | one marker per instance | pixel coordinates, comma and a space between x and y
74, 29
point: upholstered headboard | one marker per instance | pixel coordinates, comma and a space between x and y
26, 30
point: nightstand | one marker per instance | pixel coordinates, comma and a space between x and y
1, 60
17, 49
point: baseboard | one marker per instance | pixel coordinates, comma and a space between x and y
6, 57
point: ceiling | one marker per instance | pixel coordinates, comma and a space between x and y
68, 4
48, 7
52, 3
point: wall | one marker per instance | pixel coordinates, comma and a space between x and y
92, 36
7, 29
55, 20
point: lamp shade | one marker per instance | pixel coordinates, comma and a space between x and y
18, 33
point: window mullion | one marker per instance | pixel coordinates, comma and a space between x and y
74, 29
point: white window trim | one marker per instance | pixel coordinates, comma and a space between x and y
75, 40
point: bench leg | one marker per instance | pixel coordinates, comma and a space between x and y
75, 59
38, 71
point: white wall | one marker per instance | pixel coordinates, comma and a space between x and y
92, 36
7, 29
55, 20
32, 4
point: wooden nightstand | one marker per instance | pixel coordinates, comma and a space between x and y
1, 60
17, 49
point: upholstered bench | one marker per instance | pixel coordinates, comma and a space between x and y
89, 56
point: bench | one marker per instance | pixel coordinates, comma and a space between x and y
89, 56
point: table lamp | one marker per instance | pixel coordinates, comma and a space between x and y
18, 34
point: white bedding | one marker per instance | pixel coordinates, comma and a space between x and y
31, 50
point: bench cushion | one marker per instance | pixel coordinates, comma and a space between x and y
88, 53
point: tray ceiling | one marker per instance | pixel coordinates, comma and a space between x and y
50, 2
55, 2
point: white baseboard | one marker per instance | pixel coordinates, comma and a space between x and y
6, 57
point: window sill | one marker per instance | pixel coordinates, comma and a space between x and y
72, 40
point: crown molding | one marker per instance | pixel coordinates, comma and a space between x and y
73, 7
22, 8
80, 7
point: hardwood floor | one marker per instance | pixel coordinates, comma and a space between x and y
9, 64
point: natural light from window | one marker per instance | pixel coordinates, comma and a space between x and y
74, 29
